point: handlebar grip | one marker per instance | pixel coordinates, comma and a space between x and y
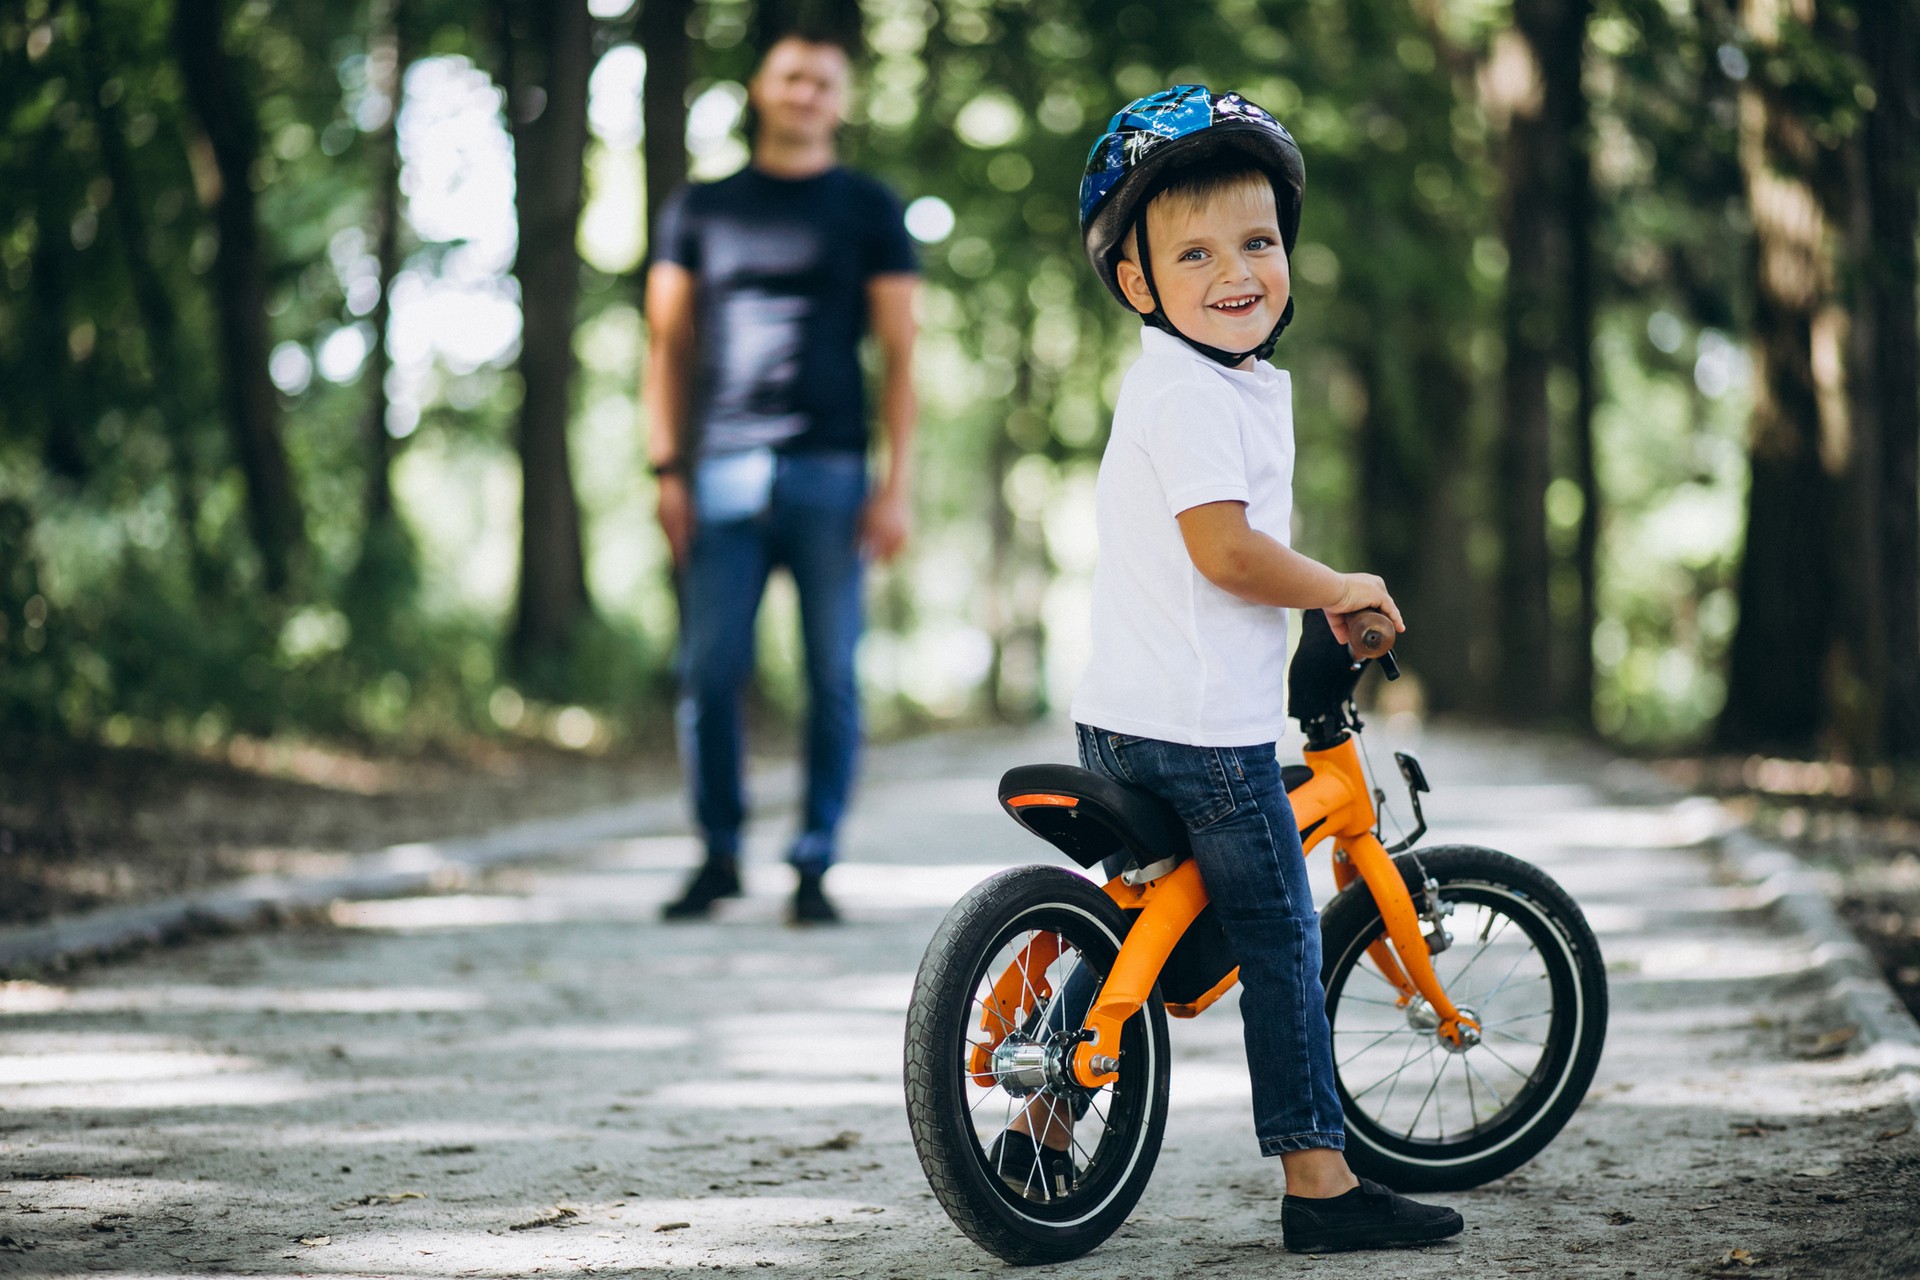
1370, 634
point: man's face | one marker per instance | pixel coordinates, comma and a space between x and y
800, 91
1219, 265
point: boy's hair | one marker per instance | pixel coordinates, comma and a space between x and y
1191, 188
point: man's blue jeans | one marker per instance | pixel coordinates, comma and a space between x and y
1245, 839
756, 512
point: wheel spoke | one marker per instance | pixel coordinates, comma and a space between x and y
1397, 1031
1503, 1062
1508, 976
1485, 944
1518, 1017
1429, 1096
1472, 1073
1406, 1061
1384, 1004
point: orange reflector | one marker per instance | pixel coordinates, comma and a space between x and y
1042, 798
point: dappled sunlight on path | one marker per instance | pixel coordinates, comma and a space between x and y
537, 1076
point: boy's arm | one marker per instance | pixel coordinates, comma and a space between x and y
1242, 561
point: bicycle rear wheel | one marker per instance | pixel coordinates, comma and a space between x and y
1423, 1115
1004, 986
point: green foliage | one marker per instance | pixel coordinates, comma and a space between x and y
122, 513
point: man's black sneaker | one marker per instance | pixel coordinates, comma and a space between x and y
810, 902
1367, 1217
717, 878
1014, 1156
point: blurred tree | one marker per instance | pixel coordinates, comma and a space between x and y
546, 57
1878, 698
388, 59
165, 377
670, 56
224, 149
1777, 668
1535, 82
1404, 212
380, 588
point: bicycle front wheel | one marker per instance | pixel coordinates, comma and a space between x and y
1031, 1165
1425, 1115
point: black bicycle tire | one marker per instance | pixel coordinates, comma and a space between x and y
936, 1111
1352, 919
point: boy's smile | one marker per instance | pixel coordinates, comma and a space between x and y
1218, 263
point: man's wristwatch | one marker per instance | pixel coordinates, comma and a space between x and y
671, 467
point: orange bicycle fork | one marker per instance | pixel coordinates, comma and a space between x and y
1334, 803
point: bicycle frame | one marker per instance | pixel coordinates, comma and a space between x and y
1335, 804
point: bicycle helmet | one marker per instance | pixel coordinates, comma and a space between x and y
1148, 143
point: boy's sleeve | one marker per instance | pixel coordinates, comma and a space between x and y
1192, 437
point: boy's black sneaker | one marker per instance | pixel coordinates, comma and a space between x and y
1014, 1156
717, 878
810, 902
1367, 1217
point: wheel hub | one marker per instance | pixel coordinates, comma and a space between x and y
1023, 1066
1423, 1018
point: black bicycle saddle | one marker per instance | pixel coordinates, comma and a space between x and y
1090, 817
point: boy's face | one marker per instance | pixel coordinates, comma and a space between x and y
1219, 264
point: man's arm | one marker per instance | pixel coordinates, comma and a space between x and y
888, 519
1239, 559
670, 303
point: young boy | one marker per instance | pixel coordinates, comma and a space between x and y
1189, 209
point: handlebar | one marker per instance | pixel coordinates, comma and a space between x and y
1370, 634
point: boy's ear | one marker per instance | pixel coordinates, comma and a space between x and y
1133, 283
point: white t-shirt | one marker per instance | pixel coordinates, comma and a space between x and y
1175, 657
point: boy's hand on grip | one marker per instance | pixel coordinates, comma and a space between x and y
1361, 591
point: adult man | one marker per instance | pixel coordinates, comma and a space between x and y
761, 289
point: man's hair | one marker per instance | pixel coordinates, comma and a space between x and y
808, 34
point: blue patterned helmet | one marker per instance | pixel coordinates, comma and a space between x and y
1151, 138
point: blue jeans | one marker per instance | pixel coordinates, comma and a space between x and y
755, 512
1244, 837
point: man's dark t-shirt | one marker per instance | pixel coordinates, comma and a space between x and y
782, 267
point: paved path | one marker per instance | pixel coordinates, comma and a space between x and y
538, 1078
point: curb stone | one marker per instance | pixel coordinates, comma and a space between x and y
1889, 1036
398, 870
1794, 895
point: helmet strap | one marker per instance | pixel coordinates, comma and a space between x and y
1157, 318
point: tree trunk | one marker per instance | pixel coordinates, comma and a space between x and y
1413, 435
1542, 94
46, 338
1776, 678
165, 373
390, 58
225, 148
549, 56
1577, 211
663, 104
1877, 644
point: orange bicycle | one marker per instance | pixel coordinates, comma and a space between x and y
1466, 992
